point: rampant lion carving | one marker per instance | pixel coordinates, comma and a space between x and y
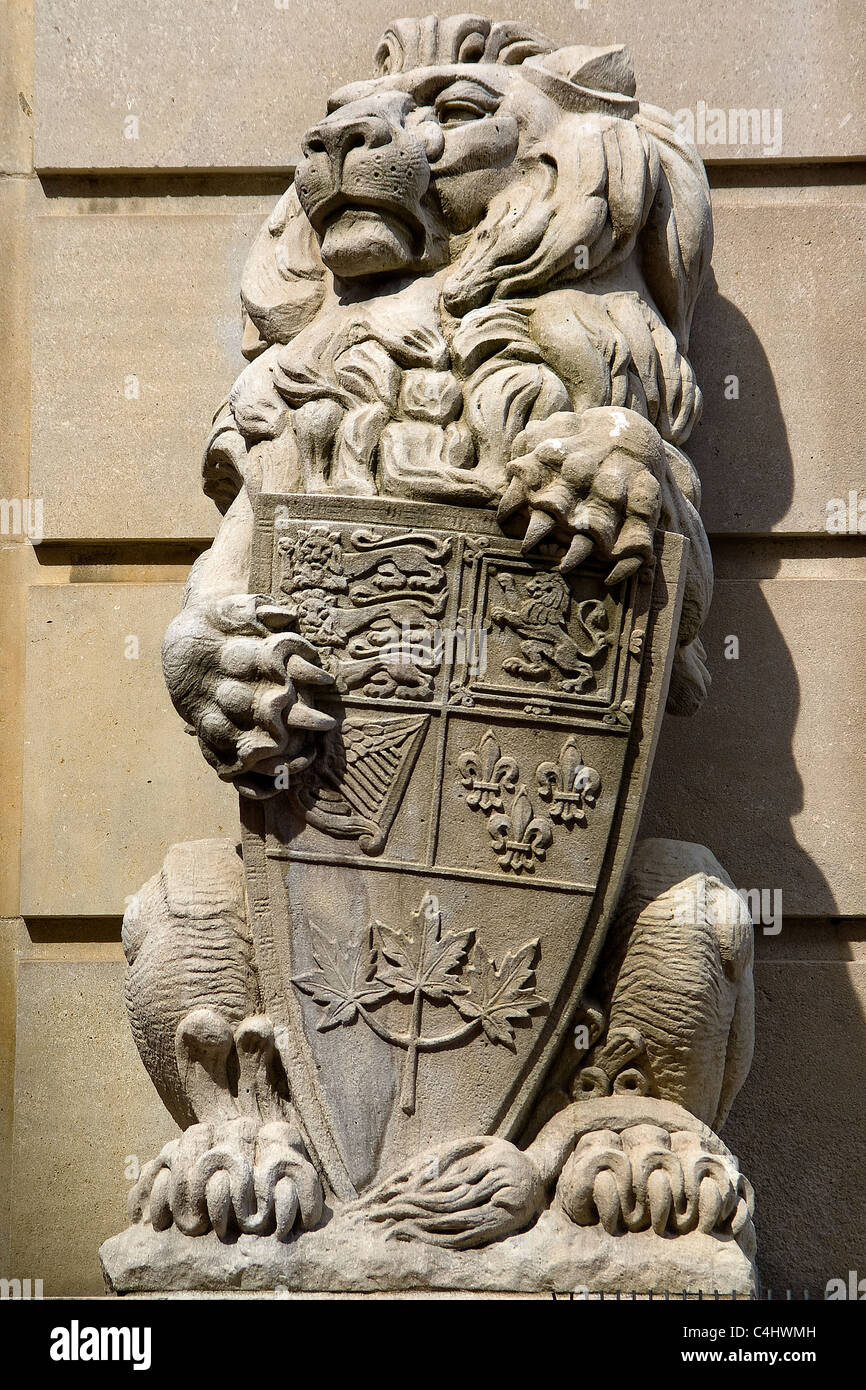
478, 290
546, 645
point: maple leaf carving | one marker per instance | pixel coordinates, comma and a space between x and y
384, 963
343, 979
502, 996
426, 965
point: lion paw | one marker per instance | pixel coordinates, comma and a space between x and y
645, 1177
594, 477
231, 1176
243, 1167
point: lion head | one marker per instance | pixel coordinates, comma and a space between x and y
483, 146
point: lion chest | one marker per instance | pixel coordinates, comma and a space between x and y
372, 404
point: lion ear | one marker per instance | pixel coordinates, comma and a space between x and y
677, 239
283, 283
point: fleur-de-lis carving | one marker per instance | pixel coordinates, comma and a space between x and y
486, 774
521, 837
569, 785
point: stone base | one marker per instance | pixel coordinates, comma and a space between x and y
555, 1256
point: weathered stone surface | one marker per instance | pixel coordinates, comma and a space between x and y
17, 560
771, 751
137, 342
783, 309
770, 252
838, 939
786, 309
10, 929
202, 85
769, 771
16, 87
706, 1068
76, 1144
555, 1256
109, 780
811, 1002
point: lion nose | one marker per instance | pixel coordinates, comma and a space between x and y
336, 136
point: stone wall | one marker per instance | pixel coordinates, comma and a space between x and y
139, 152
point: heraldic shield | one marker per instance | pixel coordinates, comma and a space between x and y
429, 897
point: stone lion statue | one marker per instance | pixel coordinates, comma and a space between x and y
477, 290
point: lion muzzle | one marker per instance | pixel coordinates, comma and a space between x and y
361, 182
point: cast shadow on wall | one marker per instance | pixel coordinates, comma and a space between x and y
728, 778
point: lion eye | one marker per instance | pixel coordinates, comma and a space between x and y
459, 112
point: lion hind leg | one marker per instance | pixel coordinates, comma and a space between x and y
535, 663
187, 941
677, 972
241, 1164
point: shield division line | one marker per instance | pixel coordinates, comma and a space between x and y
429, 900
